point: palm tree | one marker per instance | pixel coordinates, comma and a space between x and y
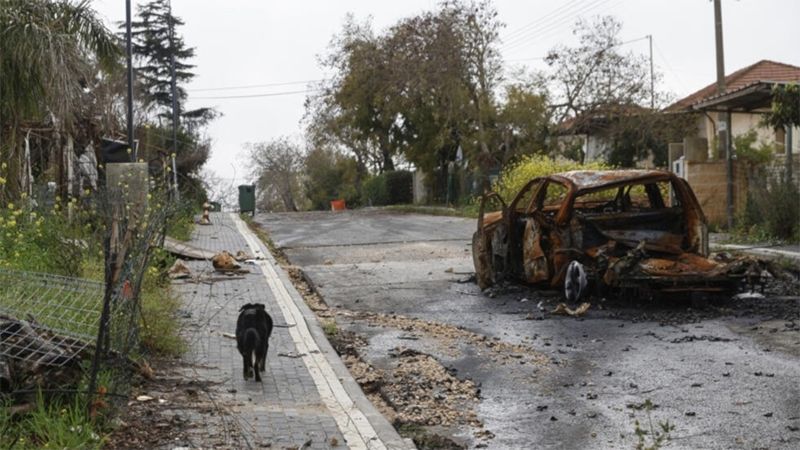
48, 52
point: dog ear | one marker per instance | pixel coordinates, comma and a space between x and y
245, 306
258, 306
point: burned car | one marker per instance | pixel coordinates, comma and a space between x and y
635, 231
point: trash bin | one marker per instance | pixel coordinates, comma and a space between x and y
215, 206
247, 199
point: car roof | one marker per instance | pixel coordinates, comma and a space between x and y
594, 179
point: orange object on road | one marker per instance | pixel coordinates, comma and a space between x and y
338, 205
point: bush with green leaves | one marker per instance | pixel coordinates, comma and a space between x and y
399, 187
772, 213
330, 175
375, 192
514, 176
750, 151
43, 239
389, 188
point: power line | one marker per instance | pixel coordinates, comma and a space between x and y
559, 29
545, 17
669, 67
553, 24
606, 48
271, 94
248, 86
556, 25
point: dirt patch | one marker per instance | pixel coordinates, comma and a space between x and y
423, 392
451, 336
424, 400
157, 412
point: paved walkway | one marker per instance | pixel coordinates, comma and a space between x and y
766, 250
307, 399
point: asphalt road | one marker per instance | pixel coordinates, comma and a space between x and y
725, 376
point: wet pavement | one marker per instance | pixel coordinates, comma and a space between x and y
725, 376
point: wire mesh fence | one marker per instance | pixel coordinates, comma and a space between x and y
47, 319
66, 334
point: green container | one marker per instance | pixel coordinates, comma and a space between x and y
215, 206
247, 198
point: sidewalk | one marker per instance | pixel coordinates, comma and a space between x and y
762, 250
307, 399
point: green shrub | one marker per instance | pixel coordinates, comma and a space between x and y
750, 151
375, 192
783, 216
330, 175
514, 177
45, 240
771, 214
389, 188
399, 186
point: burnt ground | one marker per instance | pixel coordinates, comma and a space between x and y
451, 365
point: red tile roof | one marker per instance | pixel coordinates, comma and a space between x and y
763, 70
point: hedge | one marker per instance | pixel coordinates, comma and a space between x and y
389, 188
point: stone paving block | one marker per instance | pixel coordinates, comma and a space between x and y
286, 410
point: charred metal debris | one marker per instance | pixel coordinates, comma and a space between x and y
639, 232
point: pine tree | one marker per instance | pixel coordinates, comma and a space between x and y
153, 48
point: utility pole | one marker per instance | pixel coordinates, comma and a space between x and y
129, 54
723, 118
652, 82
174, 83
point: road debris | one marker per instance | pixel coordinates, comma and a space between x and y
564, 310
224, 261
179, 270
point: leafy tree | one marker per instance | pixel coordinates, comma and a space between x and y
50, 51
419, 92
329, 175
354, 109
155, 40
785, 110
595, 74
595, 87
277, 167
523, 121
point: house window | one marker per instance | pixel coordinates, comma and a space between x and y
780, 140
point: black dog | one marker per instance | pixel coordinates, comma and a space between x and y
252, 338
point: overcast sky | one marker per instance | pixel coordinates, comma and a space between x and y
257, 42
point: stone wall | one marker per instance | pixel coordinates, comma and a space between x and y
708, 179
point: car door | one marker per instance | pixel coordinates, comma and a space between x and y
536, 258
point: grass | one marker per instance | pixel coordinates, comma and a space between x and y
182, 225
330, 328
57, 424
160, 332
469, 211
650, 437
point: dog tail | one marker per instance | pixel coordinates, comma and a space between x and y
251, 342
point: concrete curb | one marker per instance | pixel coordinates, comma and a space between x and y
385, 432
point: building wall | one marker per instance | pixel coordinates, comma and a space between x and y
742, 123
708, 179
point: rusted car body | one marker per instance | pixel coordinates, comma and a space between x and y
639, 230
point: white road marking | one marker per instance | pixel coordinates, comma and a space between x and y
354, 426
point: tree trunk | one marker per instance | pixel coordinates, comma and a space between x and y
387, 164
